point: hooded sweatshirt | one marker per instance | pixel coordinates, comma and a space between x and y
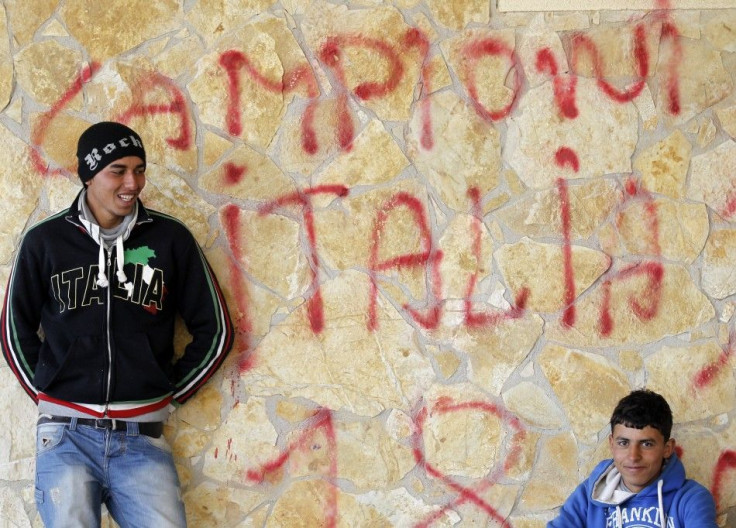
671, 501
106, 303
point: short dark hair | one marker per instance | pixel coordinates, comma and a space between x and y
642, 408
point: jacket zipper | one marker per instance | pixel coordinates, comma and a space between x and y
107, 331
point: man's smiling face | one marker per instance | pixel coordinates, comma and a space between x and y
112, 192
639, 454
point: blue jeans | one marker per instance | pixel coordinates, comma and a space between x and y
80, 467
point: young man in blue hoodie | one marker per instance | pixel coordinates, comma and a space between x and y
644, 485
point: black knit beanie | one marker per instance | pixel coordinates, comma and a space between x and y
103, 143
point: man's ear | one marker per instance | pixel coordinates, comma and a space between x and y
669, 447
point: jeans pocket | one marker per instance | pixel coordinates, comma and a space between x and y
159, 443
48, 436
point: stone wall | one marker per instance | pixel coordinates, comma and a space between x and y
451, 238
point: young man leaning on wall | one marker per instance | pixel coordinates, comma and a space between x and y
644, 484
103, 280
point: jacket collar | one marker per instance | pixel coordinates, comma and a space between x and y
72, 214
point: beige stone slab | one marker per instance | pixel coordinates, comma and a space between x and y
308, 503
587, 385
541, 269
16, 443
459, 262
211, 505
539, 214
13, 509
675, 230
270, 251
663, 165
452, 165
727, 117
711, 178
40, 67
351, 244
501, 497
374, 158
6, 63
61, 191
27, 17
372, 59
20, 187
593, 5
603, 135
401, 508
322, 126
168, 193
215, 18
718, 277
719, 30
345, 365
530, 402
270, 50
106, 30
674, 373
457, 14
613, 44
707, 82
459, 415
493, 351
368, 456
245, 441
555, 474
248, 175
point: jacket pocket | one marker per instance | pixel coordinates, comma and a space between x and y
139, 372
75, 373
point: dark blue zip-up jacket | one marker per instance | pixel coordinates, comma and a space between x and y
104, 352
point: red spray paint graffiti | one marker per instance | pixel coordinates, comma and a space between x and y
567, 157
564, 86
429, 256
331, 54
476, 50
466, 493
671, 34
726, 462
708, 373
581, 43
474, 319
233, 61
177, 105
38, 134
416, 39
321, 421
473, 52
148, 84
648, 308
302, 198
230, 221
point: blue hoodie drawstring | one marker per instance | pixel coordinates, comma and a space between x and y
662, 515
